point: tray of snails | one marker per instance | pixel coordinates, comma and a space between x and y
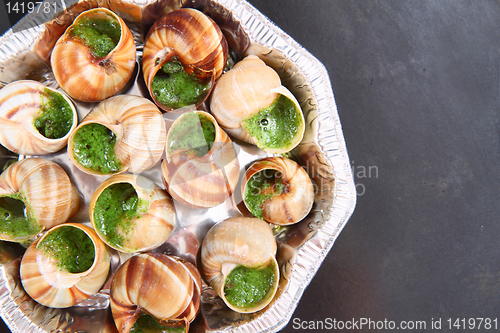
167, 166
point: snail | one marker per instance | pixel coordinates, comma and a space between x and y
35, 119
35, 194
201, 168
66, 266
238, 260
155, 290
185, 52
95, 57
277, 190
250, 103
131, 213
122, 133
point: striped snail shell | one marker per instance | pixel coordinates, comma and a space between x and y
132, 138
151, 223
277, 190
192, 38
89, 69
35, 194
204, 179
35, 119
167, 288
239, 242
56, 287
250, 103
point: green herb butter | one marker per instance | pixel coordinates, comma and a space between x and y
147, 324
14, 219
275, 126
100, 35
246, 287
71, 247
55, 117
114, 211
174, 88
194, 132
94, 148
260, 187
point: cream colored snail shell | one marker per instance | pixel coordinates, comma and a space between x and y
149, 228
85, 76
194, 39
238, 241
242, 92
20, 103
46, 191
165, 287
201, 181
139, 129
57, 288
297, 198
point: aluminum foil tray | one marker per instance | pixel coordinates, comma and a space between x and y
24, 54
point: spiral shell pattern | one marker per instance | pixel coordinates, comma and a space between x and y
44, 187
201, 181
89, 78
242, 92
149, 229
238, 241
20, 103
56, 288
139, 129
297, 198
165, 287
193, 38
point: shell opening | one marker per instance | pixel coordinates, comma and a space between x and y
56, 117
147, 323
261, 187
193, 133
15, 220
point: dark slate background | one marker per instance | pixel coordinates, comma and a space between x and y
417, 87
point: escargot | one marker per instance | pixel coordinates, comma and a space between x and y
66, 266
184, 53
278, 190
131, 213
250, 103
155, 290
122, 133
35, 194
201, 168
95, 57
35, 119
238, 260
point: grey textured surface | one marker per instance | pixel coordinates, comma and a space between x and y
417, 86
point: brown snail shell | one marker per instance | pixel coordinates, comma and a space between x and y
87, 77
238, 241
152, 226
165, 287
297, 198
192, 38
242, 92
201, 181
20, 103
139, 129
45, 189
57, 288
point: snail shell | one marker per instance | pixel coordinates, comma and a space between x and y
191, 37
167, 288
57, 288
139, 129
20, 104
242, 92
200, 181
87, 77
46, 191
238, 241
154, 222
296, 199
